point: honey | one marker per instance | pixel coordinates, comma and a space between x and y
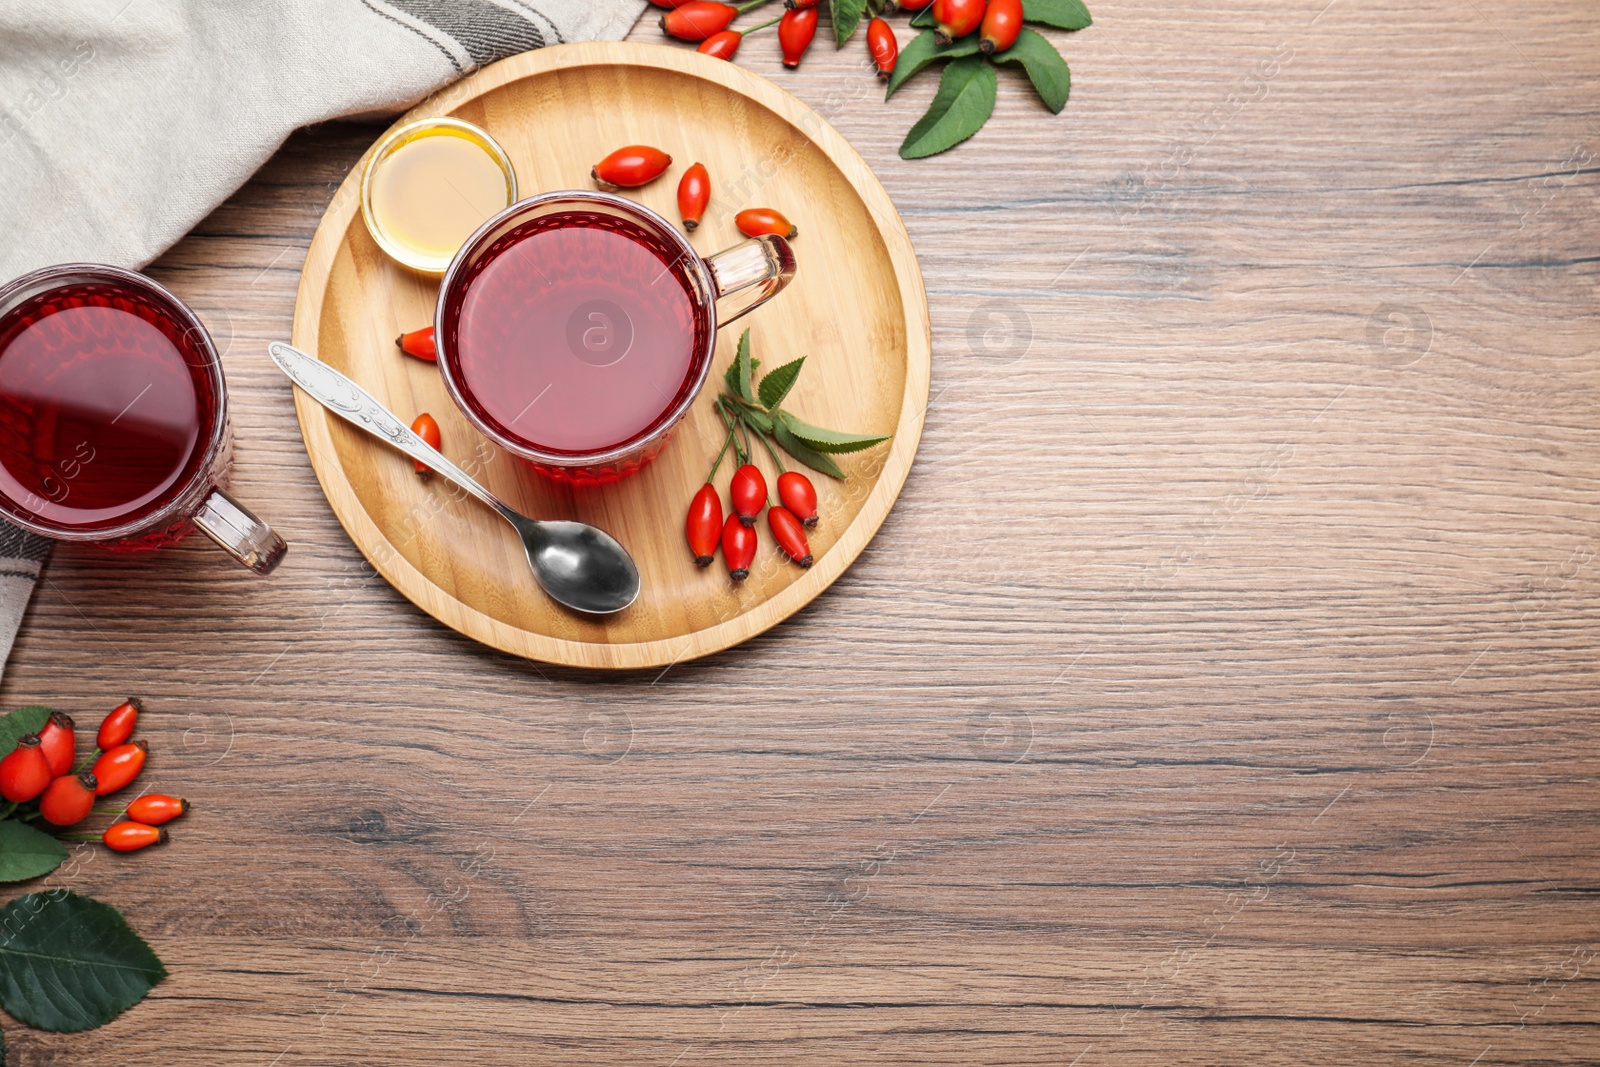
429, 186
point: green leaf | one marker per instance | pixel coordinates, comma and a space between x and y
731, 377
962, 105
1045, 67
26, 852
1067, 14
846, 17
923, 18
776, 385
28, 720
803, 452
758, 419
829, 440
744, 369
68, 963
924, 49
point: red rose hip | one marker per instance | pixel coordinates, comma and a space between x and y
738, 548
748, 493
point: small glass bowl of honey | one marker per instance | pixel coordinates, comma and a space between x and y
429, 185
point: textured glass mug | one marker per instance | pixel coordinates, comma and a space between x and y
194, 496
720, 289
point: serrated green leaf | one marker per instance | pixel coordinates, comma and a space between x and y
962, 105
1045, 67
68, 963
846, 17
776, 385
744, 370
1067, 14
730, 377
923, 18
829, 440
28, 720
803, 452
26, 852
924, 49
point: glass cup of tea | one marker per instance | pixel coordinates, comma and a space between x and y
113, 417
575, 329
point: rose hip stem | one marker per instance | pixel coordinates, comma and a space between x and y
731, 421
718, 464
774, 454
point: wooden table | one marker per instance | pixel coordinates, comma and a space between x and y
1221, 690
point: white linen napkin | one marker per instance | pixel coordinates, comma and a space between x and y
125, 122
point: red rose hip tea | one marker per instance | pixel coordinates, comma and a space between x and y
575, 329
105, 406
576, 332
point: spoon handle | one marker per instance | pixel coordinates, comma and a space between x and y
355, 405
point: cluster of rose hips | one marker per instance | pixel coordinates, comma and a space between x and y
999, 20
706, 22
795, 512
639, 164
698, 20
40, 768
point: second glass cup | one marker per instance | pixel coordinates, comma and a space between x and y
575, 329
114, 418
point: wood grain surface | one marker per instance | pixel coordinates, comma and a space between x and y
855, 310
1221, 690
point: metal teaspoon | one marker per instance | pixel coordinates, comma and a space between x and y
579, 565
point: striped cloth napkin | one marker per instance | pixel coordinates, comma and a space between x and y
125, 122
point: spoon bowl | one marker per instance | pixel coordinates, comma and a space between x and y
580, 566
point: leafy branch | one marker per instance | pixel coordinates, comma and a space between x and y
67, 962
756, 407
968, 87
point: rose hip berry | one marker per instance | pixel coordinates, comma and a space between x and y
884, 47
132, 836
57, 743
795, 33
697, 20
790, 535
748, 493
722, 45
119, 767
153, 809
755, 221
68, 800
704, 524
956, 18
1002, 24
694, 193
425, 427
419, 343
24, 773
118, 726
632, 166
796, 493
738, 548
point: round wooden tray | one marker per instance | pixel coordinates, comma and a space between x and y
856, 308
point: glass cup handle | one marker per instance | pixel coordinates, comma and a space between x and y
242, 535
754, 270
